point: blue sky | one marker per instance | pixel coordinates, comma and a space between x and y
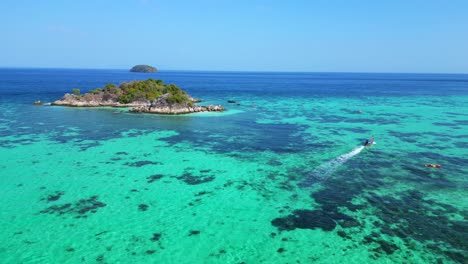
255, 35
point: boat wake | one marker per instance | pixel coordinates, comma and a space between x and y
325, 170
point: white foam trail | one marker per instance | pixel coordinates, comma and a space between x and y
325, 170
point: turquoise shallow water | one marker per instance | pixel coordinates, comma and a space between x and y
244, 186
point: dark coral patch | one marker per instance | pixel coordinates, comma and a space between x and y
194, 180
444, 124
408, 215
456, 256
80, 207
100, 233
424, 220
338, 196
53, 197
58, 209
282, 138
194, 232
407, 137
384, 246
342, 234
154, 177
305, 219
143, 207
461, 122
357, 130
202, 193
156, 237
150, 252
274, 163
142, 163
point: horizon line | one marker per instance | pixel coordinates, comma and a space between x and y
232, 71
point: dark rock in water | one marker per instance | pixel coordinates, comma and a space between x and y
156, 237
280, 250
232, 101
150, 252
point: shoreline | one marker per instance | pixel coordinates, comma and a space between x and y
139, 107
144, 96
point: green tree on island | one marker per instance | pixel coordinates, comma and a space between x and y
150, 89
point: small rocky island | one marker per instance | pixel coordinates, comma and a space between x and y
143, 68
150, 96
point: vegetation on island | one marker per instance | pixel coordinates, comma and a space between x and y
145, 96
143, 68
128, 92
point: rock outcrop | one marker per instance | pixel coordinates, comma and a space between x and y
160, 105
94, 100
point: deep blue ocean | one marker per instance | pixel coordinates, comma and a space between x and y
279, 177
52, 83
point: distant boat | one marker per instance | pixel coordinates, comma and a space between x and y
47, 104
38, 102
369, 142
